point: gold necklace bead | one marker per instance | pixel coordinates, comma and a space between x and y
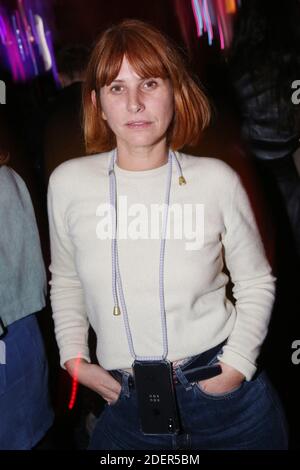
116, 311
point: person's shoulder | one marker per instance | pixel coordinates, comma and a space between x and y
10, 177
208, 167
76, 169
6, 171
12, 188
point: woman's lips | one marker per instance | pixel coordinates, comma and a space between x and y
138, 124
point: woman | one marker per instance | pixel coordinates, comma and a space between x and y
25, 410
132, 280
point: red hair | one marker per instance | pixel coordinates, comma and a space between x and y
151, 54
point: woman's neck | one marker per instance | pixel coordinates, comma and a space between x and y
141, 159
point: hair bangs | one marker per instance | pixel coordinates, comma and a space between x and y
141, 55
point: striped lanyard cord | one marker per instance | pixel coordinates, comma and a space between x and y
116, 275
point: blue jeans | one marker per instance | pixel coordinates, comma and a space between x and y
26, 413
249, 417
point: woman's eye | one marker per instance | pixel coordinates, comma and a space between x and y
151, 84
116, 89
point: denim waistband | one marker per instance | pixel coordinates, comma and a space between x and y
204, 358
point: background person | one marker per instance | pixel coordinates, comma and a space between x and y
25, 409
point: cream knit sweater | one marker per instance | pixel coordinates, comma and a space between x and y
199, 316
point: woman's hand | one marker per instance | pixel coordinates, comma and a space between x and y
229, 379
94, 377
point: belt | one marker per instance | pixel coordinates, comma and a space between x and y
196, 369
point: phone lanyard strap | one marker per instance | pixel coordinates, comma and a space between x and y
116, 276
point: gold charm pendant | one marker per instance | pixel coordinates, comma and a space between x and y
116, 311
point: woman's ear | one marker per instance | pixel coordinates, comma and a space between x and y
94, 101
94, 98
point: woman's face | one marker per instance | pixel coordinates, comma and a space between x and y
138, 110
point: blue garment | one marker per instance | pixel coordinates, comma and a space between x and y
22, 272
249, 417
25, 411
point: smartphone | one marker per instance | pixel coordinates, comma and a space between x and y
156, 398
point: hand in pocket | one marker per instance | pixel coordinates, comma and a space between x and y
228, 380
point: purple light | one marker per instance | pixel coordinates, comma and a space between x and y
208, 23
2, 31
198, 17
19, 41
213, 18
18, 37
222, 44
51, 50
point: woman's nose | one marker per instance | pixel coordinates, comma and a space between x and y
135, 103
